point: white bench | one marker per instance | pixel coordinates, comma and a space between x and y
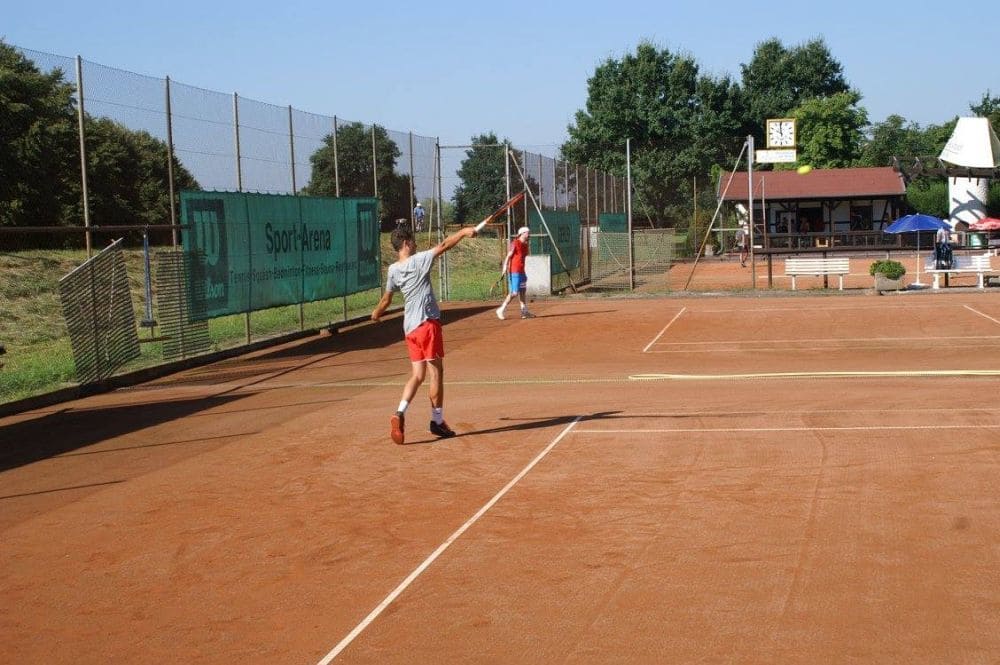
962, 263
817, 266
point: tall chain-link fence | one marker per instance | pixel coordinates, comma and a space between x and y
131, 143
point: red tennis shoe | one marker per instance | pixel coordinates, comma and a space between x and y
396, 426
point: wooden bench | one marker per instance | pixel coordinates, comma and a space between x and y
817, 266
962, 263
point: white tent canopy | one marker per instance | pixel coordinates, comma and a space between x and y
973, 144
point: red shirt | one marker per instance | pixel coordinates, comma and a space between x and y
519, 251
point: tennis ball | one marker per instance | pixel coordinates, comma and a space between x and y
804, 169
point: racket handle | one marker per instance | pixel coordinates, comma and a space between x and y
481, 225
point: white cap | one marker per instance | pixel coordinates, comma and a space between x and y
419, 204
524, 230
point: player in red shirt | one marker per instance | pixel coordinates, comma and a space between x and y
513, 265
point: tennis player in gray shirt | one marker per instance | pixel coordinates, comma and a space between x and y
411, 274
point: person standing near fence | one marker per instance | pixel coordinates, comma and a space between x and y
517, 278
743, 243
418, 217
411, 274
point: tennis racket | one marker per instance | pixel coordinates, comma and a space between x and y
496, 285
495, 217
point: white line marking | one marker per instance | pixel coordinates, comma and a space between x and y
755, 310
683, 309
985, 316
864, 428
818, 341
814, 375
452, 538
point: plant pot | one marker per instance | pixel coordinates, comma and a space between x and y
883, 283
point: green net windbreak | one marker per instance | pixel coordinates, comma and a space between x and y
253, 251
613, 222
565, 228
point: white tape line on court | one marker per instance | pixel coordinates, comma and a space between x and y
729, 430
813, 375
985, 316
445, 545
676, 316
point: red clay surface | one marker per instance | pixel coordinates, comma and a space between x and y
807, 479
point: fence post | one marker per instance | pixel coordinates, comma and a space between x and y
83, 155
374, 163
336, 164
295, 192
170, 166
239, 188
411, 176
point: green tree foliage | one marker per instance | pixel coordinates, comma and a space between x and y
127, 177
830, 130
988, 107
779, 79
929, 196
680, 122
38, 144
893, 137
40, 158
354, 166
482, 177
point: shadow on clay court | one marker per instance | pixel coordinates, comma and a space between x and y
556, 421
562, 314
528, 424
66, 430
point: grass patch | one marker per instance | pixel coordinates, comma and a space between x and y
39, 356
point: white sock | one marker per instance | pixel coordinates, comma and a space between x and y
437, 415
402, 406
524, 307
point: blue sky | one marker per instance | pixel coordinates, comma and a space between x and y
454, 69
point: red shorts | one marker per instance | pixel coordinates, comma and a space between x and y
426, 342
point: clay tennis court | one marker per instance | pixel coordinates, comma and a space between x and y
795, 479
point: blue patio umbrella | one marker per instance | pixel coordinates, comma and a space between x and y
916, 223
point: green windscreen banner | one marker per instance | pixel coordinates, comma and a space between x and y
565, 229
612, 222
248, 252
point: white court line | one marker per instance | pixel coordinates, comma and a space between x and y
815, 375
452, 538
754, 310
865, 428
816, 341
985, 316
683, 309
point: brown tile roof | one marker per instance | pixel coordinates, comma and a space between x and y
817, 184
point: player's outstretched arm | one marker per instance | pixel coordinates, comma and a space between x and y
454, 239
383, 304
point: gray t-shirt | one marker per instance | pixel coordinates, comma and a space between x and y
413, 278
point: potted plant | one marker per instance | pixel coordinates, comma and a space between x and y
888, 274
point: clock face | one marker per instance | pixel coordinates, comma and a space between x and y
781, 133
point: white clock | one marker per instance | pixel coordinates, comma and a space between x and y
781, 133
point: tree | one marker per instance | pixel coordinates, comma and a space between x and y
483, 185
830, 130
988, 107
894, 137
779, 79
929, 196
354, 167
40, 159
680, 123
38, 144
127, 176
